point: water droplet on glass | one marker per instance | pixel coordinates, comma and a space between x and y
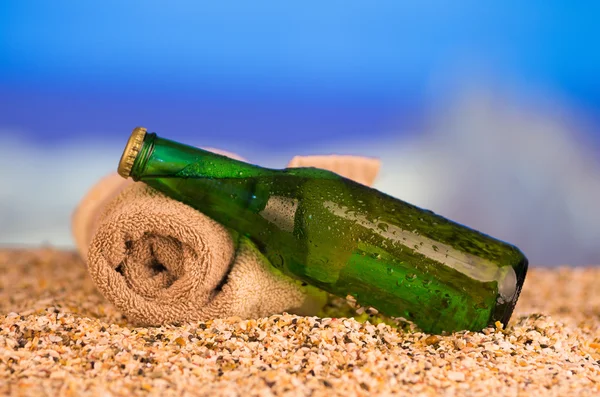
411, 276
277, 260
390, 270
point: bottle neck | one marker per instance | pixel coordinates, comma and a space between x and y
139, 165
160, 158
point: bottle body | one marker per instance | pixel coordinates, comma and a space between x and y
347, 238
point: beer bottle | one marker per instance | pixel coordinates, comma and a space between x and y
341, 236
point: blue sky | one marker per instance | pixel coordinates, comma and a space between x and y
346, 47
324, 70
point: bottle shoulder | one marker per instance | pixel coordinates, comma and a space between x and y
311, 173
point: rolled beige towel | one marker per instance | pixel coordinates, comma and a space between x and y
160, 261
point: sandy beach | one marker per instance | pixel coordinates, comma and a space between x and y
59, 336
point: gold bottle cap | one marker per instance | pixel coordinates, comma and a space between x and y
134, 144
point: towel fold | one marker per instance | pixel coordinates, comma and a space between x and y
160, 261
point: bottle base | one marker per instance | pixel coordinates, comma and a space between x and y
504, 312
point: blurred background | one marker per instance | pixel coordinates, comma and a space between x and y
485, 113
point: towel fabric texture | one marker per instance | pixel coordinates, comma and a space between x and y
160, 261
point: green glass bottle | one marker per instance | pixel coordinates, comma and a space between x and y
341, 236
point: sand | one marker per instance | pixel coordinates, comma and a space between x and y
58, 336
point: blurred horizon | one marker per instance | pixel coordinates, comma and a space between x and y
488, 114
